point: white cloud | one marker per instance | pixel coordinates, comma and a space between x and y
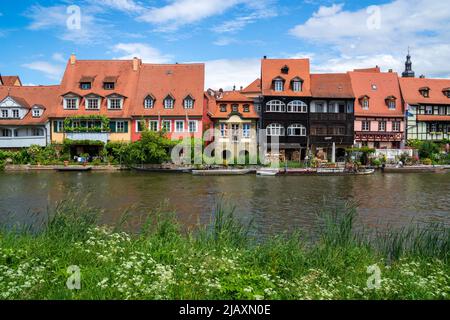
51, 71
123, 5
142, 51
58, 57
226, 73
56, 17
181, 12
381, 35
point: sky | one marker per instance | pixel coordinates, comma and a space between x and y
229, 36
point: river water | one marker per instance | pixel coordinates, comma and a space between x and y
274, 204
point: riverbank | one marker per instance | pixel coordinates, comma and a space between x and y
29, 167
220, 261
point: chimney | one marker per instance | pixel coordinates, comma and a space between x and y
265, 57
136, 63
390, 70
422, 76
234, 88
242, 88
73, 59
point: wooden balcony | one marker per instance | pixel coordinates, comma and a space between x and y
378, 136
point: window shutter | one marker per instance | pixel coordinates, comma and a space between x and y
125, 127
112, 126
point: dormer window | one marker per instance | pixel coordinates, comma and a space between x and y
15, 114
285, 70
364, 100
5, 113
92, 103
108, 85
234, 107
425, 92
115, 102
390, 101
188, 102
297, 84
71, 103
246, 108
36, 113
446, 92
278, 84
169, 102
223, 108
149, 102
85, 85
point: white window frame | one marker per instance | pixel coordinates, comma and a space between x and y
149, 103
382, 126
163, 126
68, 105
168, 105
246, 127
15, 114
88, 100
150, 123
188, 103
316, 104
36, 113
223, 127
392, 105
396, 125
275, 130
297, 86
137, 125
110, 103
365, 104
275, 106
291, 130
195, 122
177, 122
123, 126
363, 125
5, 113
333, 107
278, 85
297, 106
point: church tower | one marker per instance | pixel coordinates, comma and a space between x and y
408, 73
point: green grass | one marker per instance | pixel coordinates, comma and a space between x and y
219, 261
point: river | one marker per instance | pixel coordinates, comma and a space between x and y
274, 204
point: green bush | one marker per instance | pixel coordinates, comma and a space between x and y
427, 161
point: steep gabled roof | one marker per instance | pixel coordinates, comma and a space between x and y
46, 97
377, 86
272, 68
411, 90
178, 80
254, 87
331, 85
10, 80
229, 98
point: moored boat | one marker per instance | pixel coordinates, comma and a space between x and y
417, 169
221, 172
74, 168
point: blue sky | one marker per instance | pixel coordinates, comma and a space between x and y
230, 36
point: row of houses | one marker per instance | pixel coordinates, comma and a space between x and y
322, 114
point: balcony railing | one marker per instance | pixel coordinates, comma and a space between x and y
378, 136
95, 136
328, 116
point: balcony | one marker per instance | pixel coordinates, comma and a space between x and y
338, 139
93, 136
378, 136
329, 117
22, 142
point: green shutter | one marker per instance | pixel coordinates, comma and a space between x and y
55, 126
125, 127
112, 126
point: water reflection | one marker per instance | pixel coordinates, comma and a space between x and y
275, 204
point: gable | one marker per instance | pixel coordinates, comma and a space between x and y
9, 102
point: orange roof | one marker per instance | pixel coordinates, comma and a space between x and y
410, 90
98, 71
10, 80
254, 87
176, 80
432, 118
331, 85
229, 97
377, 86
375, 70
43, 96
272, 69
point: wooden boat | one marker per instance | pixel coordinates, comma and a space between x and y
164, 170
267, 172
329, 172
416, 169
74, 168
221, 172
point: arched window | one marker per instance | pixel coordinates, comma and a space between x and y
188, 102
275, 106
149, 102
297, 106
296, 130
169, 102
275, 129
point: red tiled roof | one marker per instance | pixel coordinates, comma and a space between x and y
98, 71
43, 96
375, 70
378, 87
271, 69
331, 85
10, 80
432, 118
253, 87
410, 90
177, 80
229, 98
